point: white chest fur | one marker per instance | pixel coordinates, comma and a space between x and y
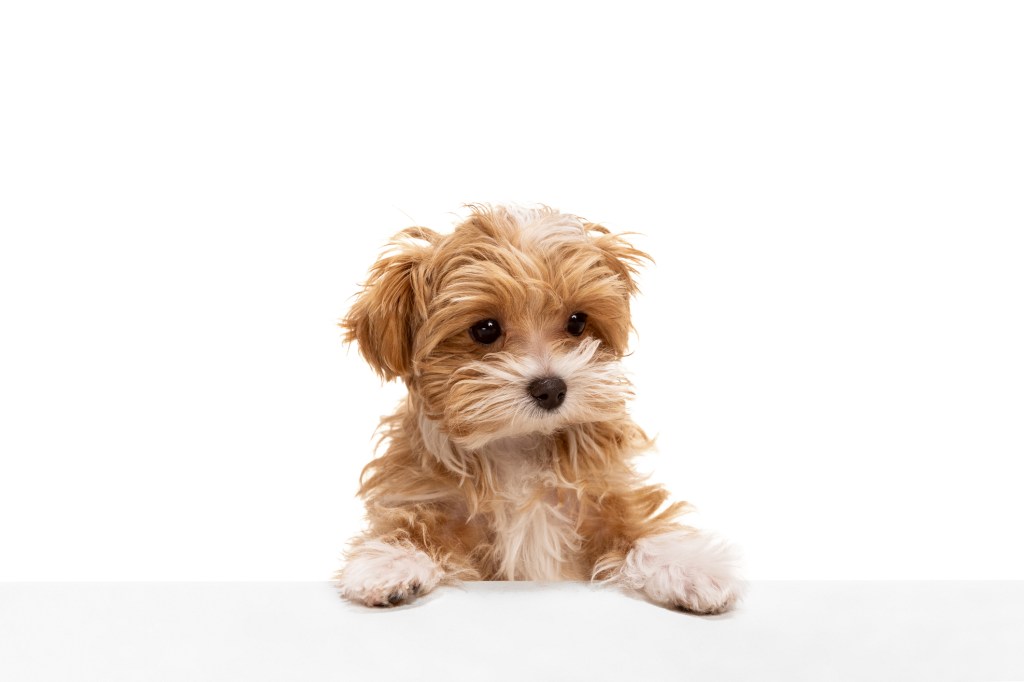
534, 518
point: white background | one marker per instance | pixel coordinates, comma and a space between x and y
830, 342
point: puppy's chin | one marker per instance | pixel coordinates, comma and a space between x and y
489, 399
477, 436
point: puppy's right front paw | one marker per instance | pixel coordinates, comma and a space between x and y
380, 573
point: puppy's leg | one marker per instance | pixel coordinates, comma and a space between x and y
636, 546
684, 569
386, 572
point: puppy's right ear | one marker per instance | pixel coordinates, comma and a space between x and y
392, 304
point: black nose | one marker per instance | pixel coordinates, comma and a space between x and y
549, 392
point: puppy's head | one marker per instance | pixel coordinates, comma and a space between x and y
511, 325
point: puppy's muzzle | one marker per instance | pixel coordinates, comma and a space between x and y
548, 392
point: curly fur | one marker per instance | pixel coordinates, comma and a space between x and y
479, 482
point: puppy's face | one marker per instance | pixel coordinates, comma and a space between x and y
511, 325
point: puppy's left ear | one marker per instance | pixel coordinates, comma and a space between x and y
392, 304
620, 256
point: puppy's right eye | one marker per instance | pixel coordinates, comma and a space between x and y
485, 331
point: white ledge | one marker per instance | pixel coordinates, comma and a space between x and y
509, 631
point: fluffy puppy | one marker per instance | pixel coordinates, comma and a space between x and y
510, 459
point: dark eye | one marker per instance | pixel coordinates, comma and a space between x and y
485, 331
577, 323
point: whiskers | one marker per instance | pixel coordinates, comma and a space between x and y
488, 399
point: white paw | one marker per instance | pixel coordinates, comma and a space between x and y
380, 573
684, 569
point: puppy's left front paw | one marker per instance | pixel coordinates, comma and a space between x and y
686, 570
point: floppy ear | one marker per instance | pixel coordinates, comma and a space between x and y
623, 259
391, 306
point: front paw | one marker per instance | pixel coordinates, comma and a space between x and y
380, 573
686, 570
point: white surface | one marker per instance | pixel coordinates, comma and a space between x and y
836, 631
829, 345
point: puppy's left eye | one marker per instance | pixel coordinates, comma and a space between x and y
577, 323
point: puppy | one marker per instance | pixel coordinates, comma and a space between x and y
510, 458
